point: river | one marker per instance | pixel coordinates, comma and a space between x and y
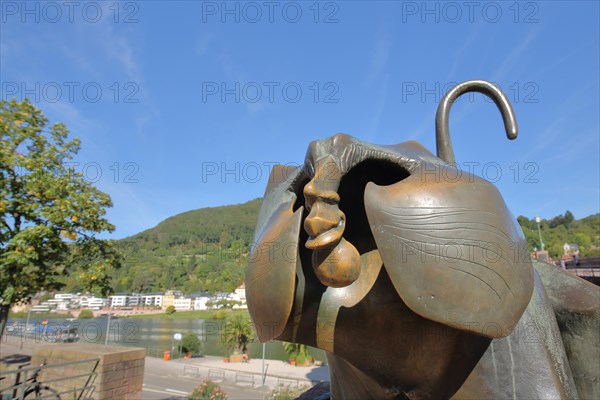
154, 334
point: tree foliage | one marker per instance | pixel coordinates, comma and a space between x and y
563, 229
237, 333
49, 214
199, 250
191, 344
86, 314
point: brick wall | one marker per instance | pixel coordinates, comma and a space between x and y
120, 370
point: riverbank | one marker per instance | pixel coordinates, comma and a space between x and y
197, 314
137, 314
23, 314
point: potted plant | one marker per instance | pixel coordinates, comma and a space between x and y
190, 345
303, 359
225, 349
298, 353
292, 351
236, 334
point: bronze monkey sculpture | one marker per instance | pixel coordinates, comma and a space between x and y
417, 287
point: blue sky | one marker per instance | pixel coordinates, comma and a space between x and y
186, 104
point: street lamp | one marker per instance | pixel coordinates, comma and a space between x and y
264, 373
538, 219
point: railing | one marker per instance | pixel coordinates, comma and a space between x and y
50, 381
154, 352
252, 379
587, 262
586, 272
158, 352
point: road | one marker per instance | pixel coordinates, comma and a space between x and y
165, 380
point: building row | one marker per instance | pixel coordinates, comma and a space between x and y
162, 300
69, 301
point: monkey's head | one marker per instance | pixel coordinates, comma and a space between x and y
390, 258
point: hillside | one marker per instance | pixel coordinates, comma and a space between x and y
204, 249
207, 249
191, 231
563, 229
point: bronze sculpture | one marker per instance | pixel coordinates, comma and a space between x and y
416, 286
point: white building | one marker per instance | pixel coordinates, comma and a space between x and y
152, 299
126, 300
94, 303
134, 300
40, 308
62, 301
83, 301
200, 303
118, 300
58, 304
66, 296
239, 295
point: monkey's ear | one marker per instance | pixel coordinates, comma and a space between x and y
271, 272
453, 251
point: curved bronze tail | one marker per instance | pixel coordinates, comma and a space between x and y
442, 132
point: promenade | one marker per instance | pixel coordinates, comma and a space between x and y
174, 379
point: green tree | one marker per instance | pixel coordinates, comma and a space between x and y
191, 344
584, 242
569, 218
49, 214
237, 332
564, 229
555, 250
170, 310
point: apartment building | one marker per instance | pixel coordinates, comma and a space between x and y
169, 298
152, 299
118, 300
126, 300
92, 302
183, 303
239, 295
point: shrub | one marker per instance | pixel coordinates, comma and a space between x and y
221, 314
208, 390
170, 310
86, 314
285, 393
191, 344
297, 351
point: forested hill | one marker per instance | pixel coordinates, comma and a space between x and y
204, 249
207, 249
191, 230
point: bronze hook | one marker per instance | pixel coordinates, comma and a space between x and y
442, 132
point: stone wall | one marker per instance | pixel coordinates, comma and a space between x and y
120, 370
